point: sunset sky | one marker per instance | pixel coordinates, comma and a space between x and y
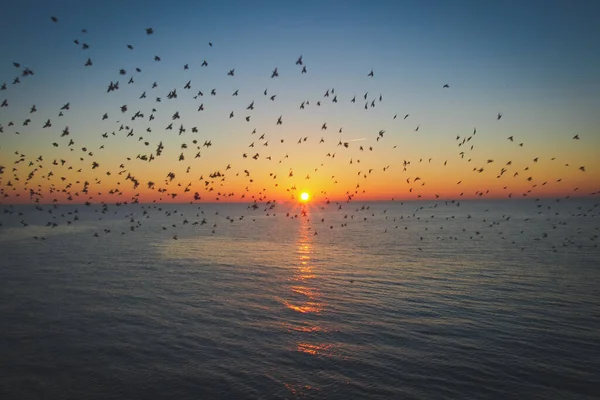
535, 62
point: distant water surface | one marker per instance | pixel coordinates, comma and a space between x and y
414, 300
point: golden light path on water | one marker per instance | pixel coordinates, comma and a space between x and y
302, 284
309, 302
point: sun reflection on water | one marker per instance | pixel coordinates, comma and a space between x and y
306, 304
307, 299
314, 349
307, 296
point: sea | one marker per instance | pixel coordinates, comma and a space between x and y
473, 299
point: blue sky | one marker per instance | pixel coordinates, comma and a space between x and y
534, 61
552, 41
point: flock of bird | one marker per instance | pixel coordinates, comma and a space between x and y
70, 172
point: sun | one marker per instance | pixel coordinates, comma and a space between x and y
304, 196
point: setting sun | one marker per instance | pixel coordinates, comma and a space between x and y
304, 196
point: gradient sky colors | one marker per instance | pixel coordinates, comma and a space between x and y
535, 62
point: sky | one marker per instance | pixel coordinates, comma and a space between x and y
534, 62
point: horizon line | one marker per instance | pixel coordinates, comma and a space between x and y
315, 202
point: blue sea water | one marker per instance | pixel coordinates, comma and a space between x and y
413, 300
